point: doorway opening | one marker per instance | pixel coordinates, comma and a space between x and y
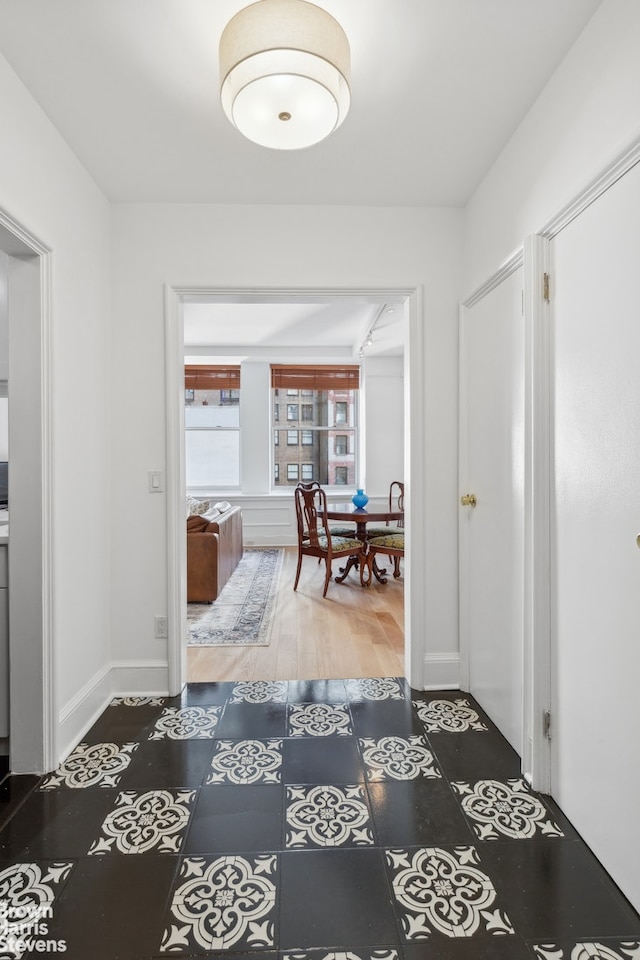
25, 297
178, 300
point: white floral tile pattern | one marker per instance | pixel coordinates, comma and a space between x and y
375, 688
362, 954
398, 758
223, 903
27, 894
443, 891
246, 761
319, 720
259, 691
141, 822
327, 816
508, 809
91, 765
186, 723
137, 701
449, 716
623, 950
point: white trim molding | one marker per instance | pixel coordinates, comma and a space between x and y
33, 728
415, 601
441, 671
619, 166
121, 678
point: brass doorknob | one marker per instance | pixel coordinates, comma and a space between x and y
468, 500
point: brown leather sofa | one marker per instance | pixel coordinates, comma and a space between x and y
214, 549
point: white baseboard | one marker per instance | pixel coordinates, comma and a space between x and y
144, 678
442, 671
120, 678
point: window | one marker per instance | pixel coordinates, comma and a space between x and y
276, 472
331, 397
212, 426
276, 437
341, 411
276, 412
292, 393
292, 438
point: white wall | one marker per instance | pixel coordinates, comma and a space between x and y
586, 117
384, 423
46, 190
267, 247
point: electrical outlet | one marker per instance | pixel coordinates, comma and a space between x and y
162, 630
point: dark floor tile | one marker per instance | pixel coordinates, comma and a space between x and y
168, 763
245, 720
330, 760
469, 948
201, 695
563, 822
123, 724
474, 755
385, 718
56, 824
555, 889
13, 791
111, 907
317, 691
331, 898
417, 813
236, 819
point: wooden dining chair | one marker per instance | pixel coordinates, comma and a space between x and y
396, 503
390, 538
314, 534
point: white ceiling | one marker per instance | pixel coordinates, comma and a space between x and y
438, 87
320, 328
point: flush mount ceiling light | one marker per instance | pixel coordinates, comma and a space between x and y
284, 73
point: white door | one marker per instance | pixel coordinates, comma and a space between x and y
491, 532
595, 719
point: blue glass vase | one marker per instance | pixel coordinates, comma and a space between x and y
360, 499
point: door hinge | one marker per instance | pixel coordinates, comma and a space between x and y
546, 724
545, 287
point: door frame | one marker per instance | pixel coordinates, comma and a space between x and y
415, 508
536, 634
32, 710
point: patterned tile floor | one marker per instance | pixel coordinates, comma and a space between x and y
320, 820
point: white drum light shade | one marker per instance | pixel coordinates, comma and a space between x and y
284, 73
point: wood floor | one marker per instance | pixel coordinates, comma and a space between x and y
353, 632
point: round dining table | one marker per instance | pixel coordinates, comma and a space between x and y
361, 516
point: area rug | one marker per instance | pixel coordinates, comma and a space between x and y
243, 613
